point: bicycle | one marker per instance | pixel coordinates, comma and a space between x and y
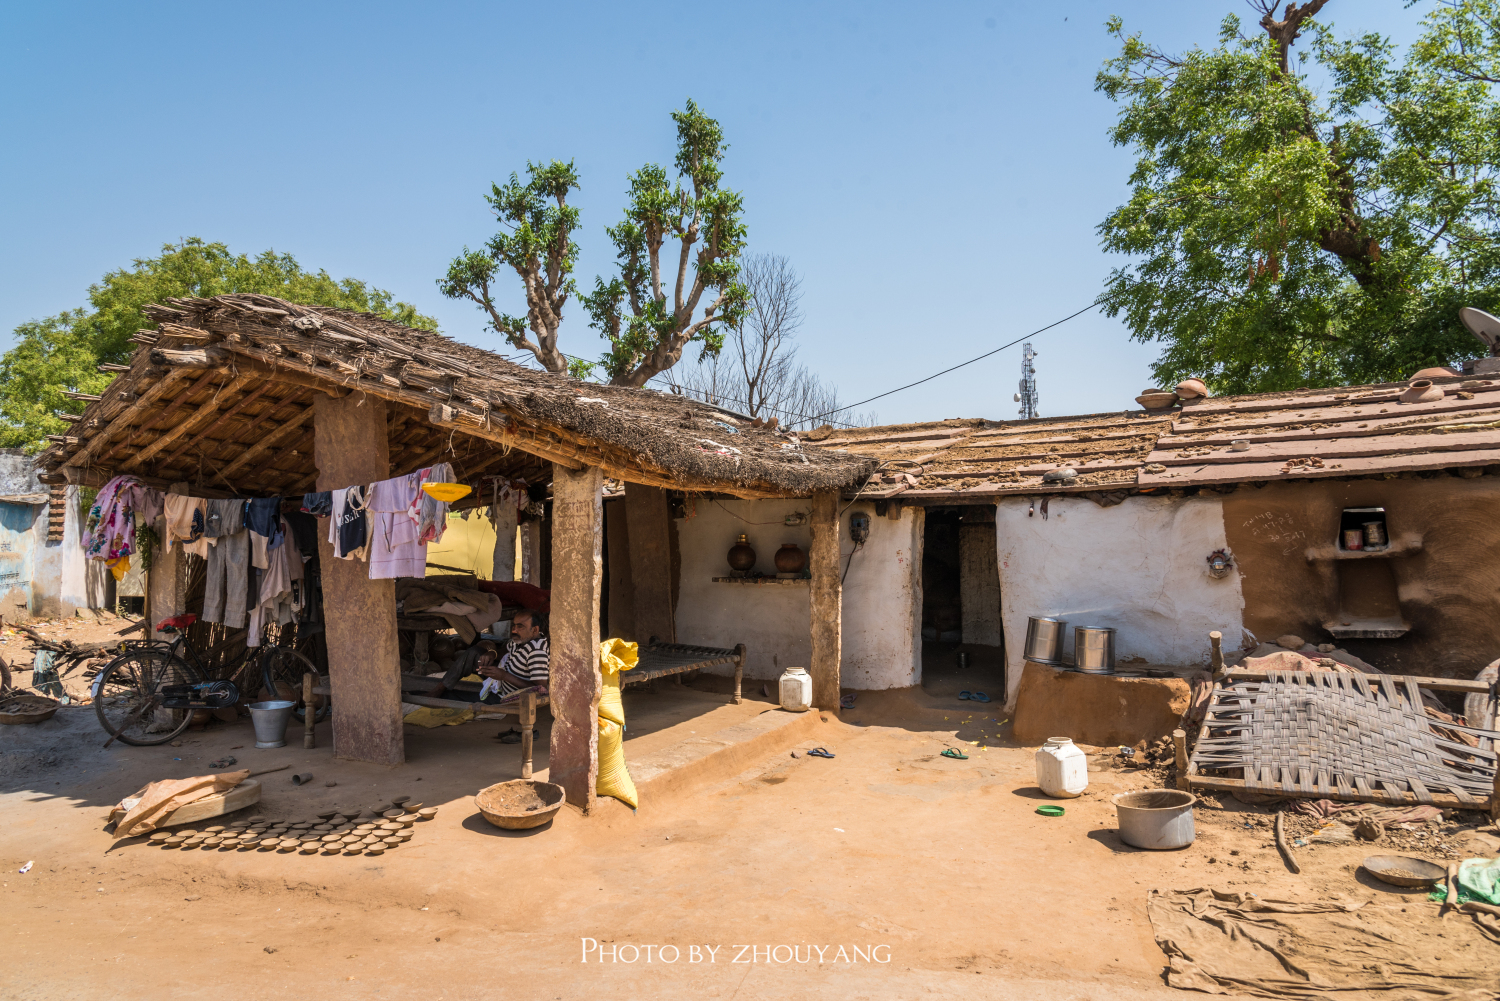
148, 694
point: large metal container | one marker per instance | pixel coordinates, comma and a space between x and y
270, 720
1156, 818
1044, 639
1094, 650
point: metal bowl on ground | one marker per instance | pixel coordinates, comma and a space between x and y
1403, 870
23, 707
520, 803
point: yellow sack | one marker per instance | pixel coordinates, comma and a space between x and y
614, 778
615, 656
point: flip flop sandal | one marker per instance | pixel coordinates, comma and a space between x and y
954, 752
846, 702
979, 697
821, 752
965, 695
509, 737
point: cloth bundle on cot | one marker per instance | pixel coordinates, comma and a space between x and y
615, 656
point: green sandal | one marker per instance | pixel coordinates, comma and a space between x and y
954, 752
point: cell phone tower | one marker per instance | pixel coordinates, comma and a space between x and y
1027, 397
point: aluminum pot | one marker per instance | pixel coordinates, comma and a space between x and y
1044, 639
1158, 819
270, 720
1094, 650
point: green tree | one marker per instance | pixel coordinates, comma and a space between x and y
1282, 238
536, 242
650, 338
62, 353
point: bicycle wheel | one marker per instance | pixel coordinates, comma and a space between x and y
128, 683
283, 668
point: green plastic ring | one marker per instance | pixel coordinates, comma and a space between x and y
1050, 811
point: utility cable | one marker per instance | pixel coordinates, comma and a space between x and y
960, 365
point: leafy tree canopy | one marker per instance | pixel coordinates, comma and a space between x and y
62, 353
1282, 237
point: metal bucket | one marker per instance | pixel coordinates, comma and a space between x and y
270, 719
1094, 650
1044, 639
1156, 818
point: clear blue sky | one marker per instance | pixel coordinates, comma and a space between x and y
936, 171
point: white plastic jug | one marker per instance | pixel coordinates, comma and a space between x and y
1062, 768
795, 689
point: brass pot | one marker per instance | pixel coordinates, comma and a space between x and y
741, 557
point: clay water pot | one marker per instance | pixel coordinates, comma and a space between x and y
1189, 389
741, 557
1421, 391
1156, 399
790, 559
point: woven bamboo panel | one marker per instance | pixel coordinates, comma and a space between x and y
1333, 735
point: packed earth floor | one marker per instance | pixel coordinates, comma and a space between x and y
938, 870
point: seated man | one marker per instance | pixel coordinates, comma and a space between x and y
525, 662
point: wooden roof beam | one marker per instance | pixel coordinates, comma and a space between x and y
167, 411
122, 422
205, 410
270, 440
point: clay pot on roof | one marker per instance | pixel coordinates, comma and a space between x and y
1190, 389
1421, 391
1435, 373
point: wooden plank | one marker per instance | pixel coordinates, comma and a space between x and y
206, 409
827, 601
1436, 684
921, 436
1351, 409
577, 576
121, 421
1397, 798
244, 402
285, 431
1351, 424
165, 412
1210, 473
1336, 448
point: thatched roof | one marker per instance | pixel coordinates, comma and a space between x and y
220, 395
1343, 432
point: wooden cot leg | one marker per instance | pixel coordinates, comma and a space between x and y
739, 671
528, 720
309, 712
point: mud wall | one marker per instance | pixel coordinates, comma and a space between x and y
1139, 567
1443, 579
882, 593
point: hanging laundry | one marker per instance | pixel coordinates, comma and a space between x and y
395, 550
109, 532
277, 602
225, 517
348, 529
319, 504
186, 517
428, 512
304, 533
145, 501
226, 589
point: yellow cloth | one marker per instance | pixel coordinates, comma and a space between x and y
119, 566
431, 716
446, 491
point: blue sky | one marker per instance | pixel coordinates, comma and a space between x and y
936, 172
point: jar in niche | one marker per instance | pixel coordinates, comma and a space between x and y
790, 560
741, 558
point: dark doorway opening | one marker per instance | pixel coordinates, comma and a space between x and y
961, 641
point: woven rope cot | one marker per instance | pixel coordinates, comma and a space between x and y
1325, 734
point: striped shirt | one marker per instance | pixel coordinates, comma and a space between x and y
528, 659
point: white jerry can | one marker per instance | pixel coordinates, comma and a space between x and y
1062, 768
795, 689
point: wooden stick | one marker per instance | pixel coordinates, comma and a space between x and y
1282, 845
1179, 744
309, 712
1475, 907
268, 771
528, 720
1451, 900
1216, 640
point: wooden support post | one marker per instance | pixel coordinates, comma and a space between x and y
503, 559
309, 713
827, 614
1216, 658
1179, 744
528, 721
364, 671
649, 526
577, 573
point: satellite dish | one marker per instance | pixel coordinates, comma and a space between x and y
1482, 325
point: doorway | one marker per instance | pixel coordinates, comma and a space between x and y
962, 648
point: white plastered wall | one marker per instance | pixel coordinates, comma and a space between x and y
882, 594
1140, 567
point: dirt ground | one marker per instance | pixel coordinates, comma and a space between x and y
939, 871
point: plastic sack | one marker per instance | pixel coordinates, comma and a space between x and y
614, 778
614, 656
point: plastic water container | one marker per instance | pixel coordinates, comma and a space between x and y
1062, 768
795, 688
